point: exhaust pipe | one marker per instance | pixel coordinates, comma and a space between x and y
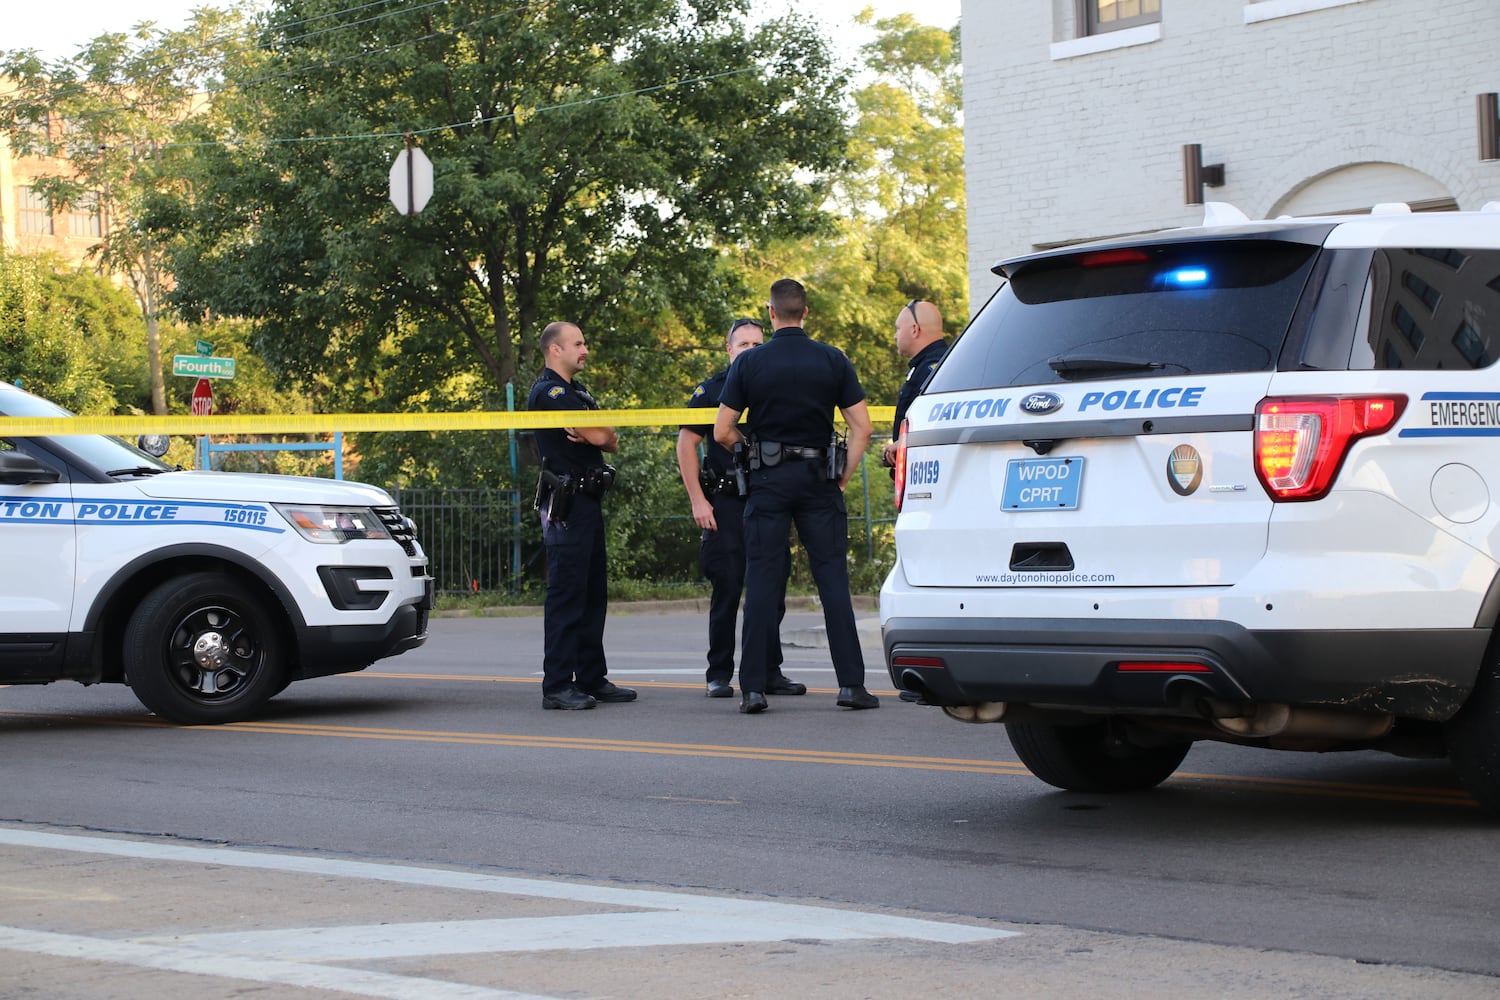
987, 711
1284, 720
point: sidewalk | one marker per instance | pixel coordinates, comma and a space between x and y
813, 637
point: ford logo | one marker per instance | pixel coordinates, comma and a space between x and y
1039, 403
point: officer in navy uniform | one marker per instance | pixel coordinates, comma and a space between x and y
573, 479
719, 509
919, 339
790, 387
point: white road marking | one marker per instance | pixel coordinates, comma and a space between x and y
258, 970
290, 955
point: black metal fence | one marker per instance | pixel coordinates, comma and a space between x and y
471, 537
488, 540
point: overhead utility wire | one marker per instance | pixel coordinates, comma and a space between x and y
468, 123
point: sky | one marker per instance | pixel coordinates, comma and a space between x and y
57, 28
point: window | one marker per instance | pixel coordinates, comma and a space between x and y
1401, 320
1111, 15
1460, 300
83, 216
1429, 296
1155, 310
35, 215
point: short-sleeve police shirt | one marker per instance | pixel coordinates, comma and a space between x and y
790, 387
707, 395
922, 366
552, 392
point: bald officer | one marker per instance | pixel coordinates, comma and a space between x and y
574, 478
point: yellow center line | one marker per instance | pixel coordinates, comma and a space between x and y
790, 755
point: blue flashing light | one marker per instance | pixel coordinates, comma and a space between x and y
1186, 277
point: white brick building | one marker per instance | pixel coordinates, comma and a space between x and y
1077, 111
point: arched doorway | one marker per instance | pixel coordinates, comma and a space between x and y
1354, 188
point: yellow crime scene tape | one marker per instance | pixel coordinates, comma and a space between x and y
328, 423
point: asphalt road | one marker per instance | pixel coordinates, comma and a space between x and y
1247, 874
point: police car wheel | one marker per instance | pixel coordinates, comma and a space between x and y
1473, 737
1093, 757
201, 648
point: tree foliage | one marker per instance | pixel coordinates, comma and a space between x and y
42, 347
902, 232
589, 161
112, 119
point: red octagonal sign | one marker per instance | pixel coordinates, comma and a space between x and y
203, 398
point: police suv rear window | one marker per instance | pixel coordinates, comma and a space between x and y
1180, 308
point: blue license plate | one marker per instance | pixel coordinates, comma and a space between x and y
1042, 484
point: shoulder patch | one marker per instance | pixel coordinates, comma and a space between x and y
556, 391
699, 391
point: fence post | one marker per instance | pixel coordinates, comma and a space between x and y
864, 478
515, 507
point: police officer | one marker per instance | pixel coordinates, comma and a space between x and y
573, 479
919, 339
791, 387
719, 509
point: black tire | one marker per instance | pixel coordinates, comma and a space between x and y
202, 649
1473, 738
1092, 757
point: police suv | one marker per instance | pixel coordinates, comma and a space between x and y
206, 592
1235, 482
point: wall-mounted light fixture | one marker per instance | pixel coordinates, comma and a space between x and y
1195, 174
1489, 126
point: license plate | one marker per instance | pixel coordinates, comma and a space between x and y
1042, 484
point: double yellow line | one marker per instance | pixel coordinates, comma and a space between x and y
789, 755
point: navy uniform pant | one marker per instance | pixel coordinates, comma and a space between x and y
796, 492
577, 599
721, 558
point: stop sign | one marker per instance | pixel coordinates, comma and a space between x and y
411, 181
203, 398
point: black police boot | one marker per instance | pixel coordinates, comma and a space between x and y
568, 699
857, 697
752, 702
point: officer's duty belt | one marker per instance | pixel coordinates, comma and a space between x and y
796, 451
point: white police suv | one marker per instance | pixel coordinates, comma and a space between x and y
206, 592
1236, 482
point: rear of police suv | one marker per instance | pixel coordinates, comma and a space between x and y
1225, 483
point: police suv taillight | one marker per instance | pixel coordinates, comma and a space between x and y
1300, 444
901, 465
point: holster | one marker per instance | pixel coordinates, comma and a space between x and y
741, 469
554, 494
716, 483
838, 456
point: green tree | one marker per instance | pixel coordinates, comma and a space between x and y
902, 232
42, 347
111, 118
589, 160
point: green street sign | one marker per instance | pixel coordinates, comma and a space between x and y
205, 349
192, 366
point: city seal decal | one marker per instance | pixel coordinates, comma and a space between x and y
1040, 403
1184, 470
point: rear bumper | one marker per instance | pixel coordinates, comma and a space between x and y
1421, 674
